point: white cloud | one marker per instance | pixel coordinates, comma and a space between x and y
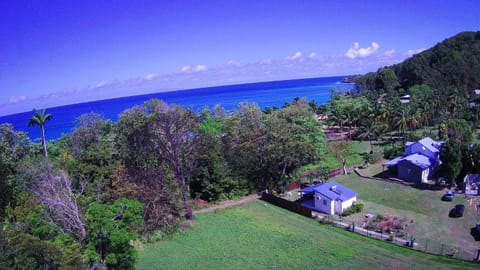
201, 68
150, 76
197, 68
312, 55
412, 52
296, 56
186, 68
389, 53
15, 100
356, 51
101, 83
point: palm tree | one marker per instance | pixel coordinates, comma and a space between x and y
40, 118
401, 122
368, 129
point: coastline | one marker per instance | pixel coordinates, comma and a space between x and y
265, 94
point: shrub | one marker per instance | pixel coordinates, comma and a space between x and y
355, 208
393, 150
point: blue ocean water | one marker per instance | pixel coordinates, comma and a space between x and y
265, 94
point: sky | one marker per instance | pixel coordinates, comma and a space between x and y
59, 52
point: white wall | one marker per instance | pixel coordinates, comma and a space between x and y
425, 175
348, 203
332, 207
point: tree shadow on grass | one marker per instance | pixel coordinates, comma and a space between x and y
384, 175
424, 186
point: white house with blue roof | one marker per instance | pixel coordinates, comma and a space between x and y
330, 198
420, 161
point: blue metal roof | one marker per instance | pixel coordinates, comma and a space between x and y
309, 190
335, 191
430, 144
419, 160
393, 162
416, 159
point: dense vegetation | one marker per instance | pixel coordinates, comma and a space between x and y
440, 83
451, 65
106, 184
79, 202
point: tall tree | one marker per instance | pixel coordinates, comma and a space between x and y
40, 118
144, 175
175, 141
451, 156
246, 150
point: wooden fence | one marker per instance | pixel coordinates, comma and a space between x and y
335, 173
286, 204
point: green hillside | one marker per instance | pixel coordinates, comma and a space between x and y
452, 63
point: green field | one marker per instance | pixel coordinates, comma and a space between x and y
426, 214
261, 236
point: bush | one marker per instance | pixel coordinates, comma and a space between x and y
372, 157
393, 150
355, 208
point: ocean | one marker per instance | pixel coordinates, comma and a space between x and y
265, 94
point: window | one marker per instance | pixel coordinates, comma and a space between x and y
324, 201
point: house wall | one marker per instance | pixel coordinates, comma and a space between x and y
409, 172
426, 175
348, 203
332, 207
324, 204
435, 167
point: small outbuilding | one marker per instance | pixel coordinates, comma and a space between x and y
330, 198
471, 184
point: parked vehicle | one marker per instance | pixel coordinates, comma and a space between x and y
457, 211
448, 196
442, 181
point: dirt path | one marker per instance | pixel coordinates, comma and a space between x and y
226, 204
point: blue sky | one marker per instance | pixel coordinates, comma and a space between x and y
61, 52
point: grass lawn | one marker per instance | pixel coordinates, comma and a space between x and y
355, 157
261, 236
426, 214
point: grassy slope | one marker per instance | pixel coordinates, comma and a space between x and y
261, 236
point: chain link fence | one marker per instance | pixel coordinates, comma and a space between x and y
425, 245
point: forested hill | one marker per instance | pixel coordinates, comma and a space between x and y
451, 64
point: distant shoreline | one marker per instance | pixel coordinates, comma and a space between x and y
265, 94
